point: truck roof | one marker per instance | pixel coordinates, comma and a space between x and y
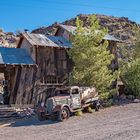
67, 88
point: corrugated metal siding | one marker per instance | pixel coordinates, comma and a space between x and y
15, 56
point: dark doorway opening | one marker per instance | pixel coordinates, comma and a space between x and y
4, 98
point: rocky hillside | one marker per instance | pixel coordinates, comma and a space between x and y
8, 39
121, 28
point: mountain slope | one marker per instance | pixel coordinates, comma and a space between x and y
8, 39
120, 27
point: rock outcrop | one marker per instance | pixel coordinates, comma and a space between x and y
8, 39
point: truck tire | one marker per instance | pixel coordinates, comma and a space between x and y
41, 116
97, 108
63, 114
96, 105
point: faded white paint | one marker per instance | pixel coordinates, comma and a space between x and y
87, 92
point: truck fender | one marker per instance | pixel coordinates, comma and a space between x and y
40, 109
59, 107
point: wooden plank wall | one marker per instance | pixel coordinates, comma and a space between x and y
53, 64
52, 68
25, 83
25, 88
20, 84
46, 64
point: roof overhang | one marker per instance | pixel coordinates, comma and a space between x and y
39, 40
15, 57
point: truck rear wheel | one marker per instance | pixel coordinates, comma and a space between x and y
63, 114
97, 106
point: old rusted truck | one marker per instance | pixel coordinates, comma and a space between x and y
67, 101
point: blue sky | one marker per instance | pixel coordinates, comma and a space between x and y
30, 14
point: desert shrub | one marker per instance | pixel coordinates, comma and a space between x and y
131, 77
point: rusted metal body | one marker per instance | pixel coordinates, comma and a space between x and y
69, 100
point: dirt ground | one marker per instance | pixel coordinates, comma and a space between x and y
115, 123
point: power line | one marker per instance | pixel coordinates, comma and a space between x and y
85, 5
68, 4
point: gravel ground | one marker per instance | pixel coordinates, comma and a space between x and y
115, 123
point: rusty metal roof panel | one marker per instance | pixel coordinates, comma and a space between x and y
39, 40
16, 56
111, 38
68, 28
60, 41
72, 29
48, 41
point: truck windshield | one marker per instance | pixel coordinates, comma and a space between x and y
62, 92
75, 91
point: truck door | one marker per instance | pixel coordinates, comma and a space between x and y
75, 98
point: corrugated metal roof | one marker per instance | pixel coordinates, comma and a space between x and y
111, 38
73, 28
68, 28
60, 41
39, 39
49, 41
15, 56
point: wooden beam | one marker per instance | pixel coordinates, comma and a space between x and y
20, 41
51, 84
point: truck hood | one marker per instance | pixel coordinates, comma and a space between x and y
61, 97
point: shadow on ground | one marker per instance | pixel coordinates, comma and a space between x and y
33, 121
122, 102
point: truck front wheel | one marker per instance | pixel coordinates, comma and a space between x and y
63, 114
41, 116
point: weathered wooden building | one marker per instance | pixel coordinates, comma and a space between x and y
17, 66
50, 54
39, 64
67, 31
35, 67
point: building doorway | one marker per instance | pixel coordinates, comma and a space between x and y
4, 99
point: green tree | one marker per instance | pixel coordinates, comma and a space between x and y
91, 57
130, 66
131, 77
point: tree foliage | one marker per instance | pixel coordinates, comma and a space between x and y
131, 77
91, 56
130, 69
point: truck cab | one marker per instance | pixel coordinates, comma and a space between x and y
69, 97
